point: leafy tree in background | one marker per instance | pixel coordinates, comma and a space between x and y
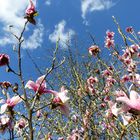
96, 97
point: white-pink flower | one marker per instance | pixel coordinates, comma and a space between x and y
94, 50
122, 111
125, 78
126, 118
91, 80
136, 79
109, 40
21, 123
4, 119
129, 29
109, 35
109, 43
30, 9
61, 100
10, 102
133, 101
5, 123
38, 86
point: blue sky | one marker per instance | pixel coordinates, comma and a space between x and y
64, 19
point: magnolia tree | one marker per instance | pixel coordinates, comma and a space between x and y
96, 99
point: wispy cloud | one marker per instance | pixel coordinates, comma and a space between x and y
32, 42
62, 34
12, 13
36, 39
48, 2
8, 39
88, 6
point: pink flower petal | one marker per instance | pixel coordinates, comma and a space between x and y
31, 85
31, 8
4, 119
41, 81
62, 89
63, 97
131, 103
3, 108
134, 95
15, 100
64, 109
126, 118
55, 93
125, 100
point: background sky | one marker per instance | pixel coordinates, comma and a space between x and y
64, 19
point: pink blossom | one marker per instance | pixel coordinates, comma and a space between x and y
5, 84
91, 89
133, 101
4, 119
130, 52
126, 118
127, 53
113, 110
135, 78
132, 66
106, 99
21, 123
120, 93
122, 111
109, 35
38, 114
4, 59
107, 73
91, 80
31, 9
128, 61
38, 86
60, 100
109, 43
134, 48
10, 103
102, 105
117, 110
125, 78
129, 29
110, 81
94, 50
5, 123
31, 13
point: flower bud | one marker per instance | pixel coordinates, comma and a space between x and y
21, 123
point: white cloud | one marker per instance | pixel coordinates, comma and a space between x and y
7, 40
62, 34
36, 39
48, 2
12, 12
88, 6
32, 42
